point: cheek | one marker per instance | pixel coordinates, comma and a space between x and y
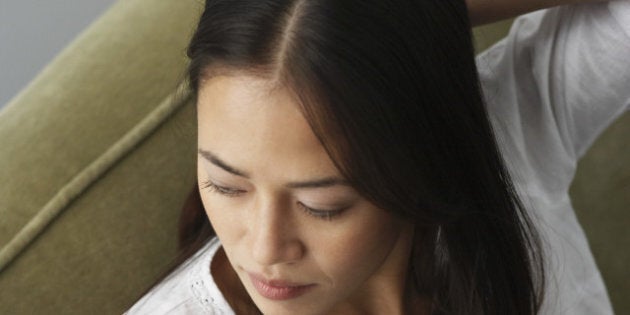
225, 225
220, 211
356, 252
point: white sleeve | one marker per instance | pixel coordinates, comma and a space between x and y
567, 68
595, 72
559, 78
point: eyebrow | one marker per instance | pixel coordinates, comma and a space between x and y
318, 183
212, 158
315, 183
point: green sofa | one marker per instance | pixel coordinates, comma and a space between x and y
98, 154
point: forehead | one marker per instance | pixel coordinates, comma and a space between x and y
256, 127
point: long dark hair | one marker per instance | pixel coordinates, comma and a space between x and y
391, 90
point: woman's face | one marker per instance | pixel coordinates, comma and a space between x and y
300, 239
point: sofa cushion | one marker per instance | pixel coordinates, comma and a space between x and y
98, 155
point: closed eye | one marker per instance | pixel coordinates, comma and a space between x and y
229, 192
321, 214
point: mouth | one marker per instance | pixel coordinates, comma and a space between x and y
278, 289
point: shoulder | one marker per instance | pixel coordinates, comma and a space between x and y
190, 289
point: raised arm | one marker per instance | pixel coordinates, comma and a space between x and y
488, 11
552, 86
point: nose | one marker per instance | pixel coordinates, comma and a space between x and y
273, 236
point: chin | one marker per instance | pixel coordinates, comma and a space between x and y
284, 308
303, 305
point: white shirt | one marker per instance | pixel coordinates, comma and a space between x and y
190, 289
559, 78
552, 86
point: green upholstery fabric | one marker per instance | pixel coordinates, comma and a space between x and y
98, 154
600, 193
102, 138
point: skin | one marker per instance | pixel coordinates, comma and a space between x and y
356, 260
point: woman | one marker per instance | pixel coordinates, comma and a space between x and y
348, 166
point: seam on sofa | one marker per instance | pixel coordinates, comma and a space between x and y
90, 174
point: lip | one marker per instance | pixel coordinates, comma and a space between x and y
278, 289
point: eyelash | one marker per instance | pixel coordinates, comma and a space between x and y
327, 215
220, 190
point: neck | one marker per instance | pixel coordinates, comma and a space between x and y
390, 301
